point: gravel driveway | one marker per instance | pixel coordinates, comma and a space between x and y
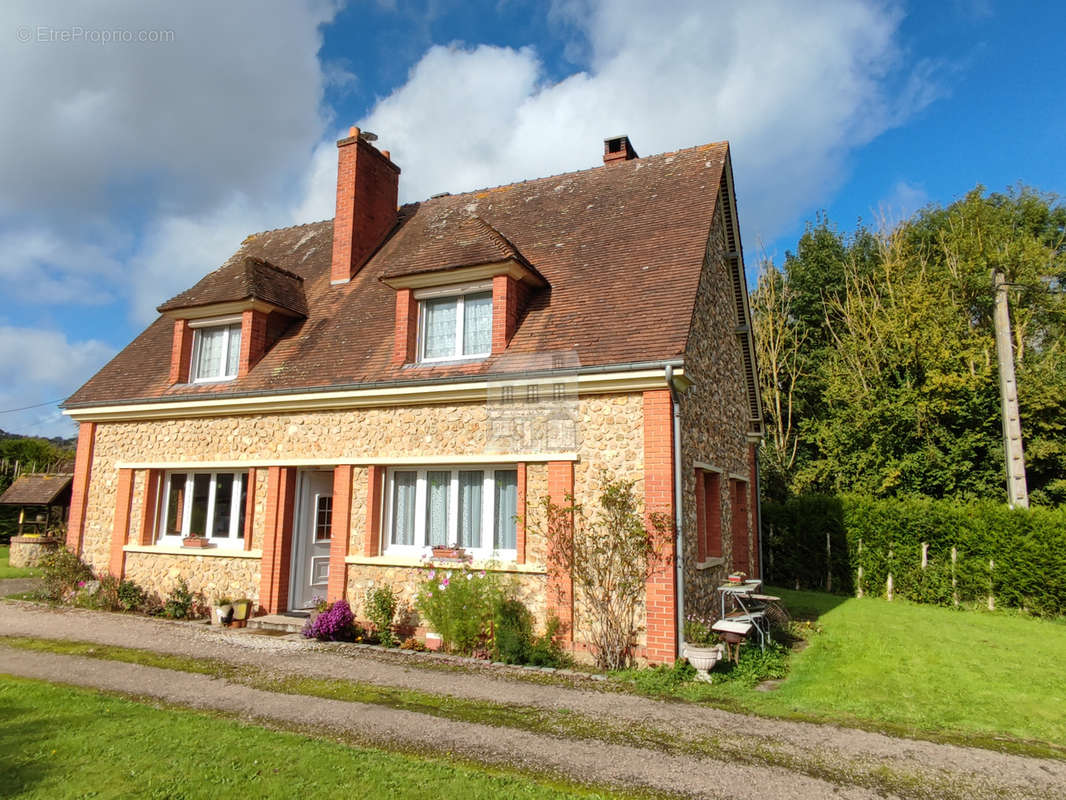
788, 759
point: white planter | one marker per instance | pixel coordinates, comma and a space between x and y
704, 658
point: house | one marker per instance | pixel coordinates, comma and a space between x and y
340, 396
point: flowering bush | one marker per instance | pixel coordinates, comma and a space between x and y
698, 631
381, 603
335, 624
62, 572
458, 604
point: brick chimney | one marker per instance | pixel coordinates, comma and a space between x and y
618, 149
367, 184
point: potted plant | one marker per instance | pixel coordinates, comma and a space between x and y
195, 541
737, 577
223, 610
241, 610
702, 646
450, 553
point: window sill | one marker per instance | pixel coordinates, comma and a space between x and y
418, 561
171, 550
710, 563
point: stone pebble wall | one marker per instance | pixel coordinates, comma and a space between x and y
610, 436
713, 413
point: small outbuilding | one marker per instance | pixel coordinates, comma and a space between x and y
43, 500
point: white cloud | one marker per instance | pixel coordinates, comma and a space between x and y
41, 365
794, 87
900, 203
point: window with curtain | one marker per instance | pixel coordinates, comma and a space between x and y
471, 508
216, 352
456, 326
208, 504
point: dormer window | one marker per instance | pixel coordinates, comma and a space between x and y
455, 322
216, 349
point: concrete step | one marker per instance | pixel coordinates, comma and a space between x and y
289, 623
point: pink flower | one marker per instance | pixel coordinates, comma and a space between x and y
447, 580
481, 574
431, 574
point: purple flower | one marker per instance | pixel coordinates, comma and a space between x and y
332, 625
431, 574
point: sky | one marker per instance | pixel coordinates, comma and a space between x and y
141, 142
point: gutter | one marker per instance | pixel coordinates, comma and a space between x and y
679, 552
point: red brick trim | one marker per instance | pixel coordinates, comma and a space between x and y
249, 508
739, 496
277, 539
406, 327
520, 523
753, 506
253, 340
149, 503
79, 491
375, 482
713, 507
561, 587
181, 352
700, 491
343, 479
508, 300
120, 530
661, 589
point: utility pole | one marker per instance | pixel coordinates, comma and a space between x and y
1017, 492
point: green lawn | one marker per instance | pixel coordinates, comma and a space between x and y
919, 670
14, 572
59, 742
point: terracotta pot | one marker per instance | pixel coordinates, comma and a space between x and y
454, 553
196, 541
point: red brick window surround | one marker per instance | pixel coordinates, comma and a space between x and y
708, 514
739, 497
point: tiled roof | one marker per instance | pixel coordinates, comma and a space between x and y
244, 277
35, 489
620, 247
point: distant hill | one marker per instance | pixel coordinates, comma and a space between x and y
68, 443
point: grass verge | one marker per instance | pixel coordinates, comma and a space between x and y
59, 741
8, 571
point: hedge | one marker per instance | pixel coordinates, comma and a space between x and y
852, 544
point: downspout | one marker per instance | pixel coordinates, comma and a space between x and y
679, 552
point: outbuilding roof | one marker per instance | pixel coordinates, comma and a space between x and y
35, 489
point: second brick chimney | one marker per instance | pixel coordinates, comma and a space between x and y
367, 188
618, 149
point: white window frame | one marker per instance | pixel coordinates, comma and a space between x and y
233, 539
226, 324
421, 546
459, 293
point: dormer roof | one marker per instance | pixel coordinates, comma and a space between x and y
243, 278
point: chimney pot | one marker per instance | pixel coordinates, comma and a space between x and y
353, 132
387, 154
618, 149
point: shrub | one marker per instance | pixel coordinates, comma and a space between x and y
381, 603
698, 631
335, 624
131, 597
609, 552
61, 572
458, 604
181, 603
513, 627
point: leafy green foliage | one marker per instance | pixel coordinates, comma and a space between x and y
458, 604
877, 353
380, 605
130, 596
182, 603
61, 572
514, 641
1026, 549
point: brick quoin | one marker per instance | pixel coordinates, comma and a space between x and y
343, 477
753, 506
249, 509
149, 498
561, 587
508, 299
253, 340
406, 327
79, 491
372, 539
660, 589
367, 188
181, 352
120, 530
520, 523
277, 539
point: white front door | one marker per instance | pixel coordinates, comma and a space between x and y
313, 531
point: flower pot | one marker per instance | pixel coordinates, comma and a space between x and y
196, 541
452, 553
223, 613
241, 610
703, 658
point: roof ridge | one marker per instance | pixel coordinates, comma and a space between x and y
502, 243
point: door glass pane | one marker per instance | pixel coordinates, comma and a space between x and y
201, 489
324, 518
438, 485
440, 327
477, 323
506, 505
175, 505
209, 355
223, 504
470, 507
403, 507
233, 356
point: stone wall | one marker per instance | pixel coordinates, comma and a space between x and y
212, 576
714, 413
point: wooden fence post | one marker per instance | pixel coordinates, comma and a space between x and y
858, 585
925, 554
828, 564
991, 596
888, 583
954, 580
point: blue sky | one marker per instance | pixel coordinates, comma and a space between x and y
129, 169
